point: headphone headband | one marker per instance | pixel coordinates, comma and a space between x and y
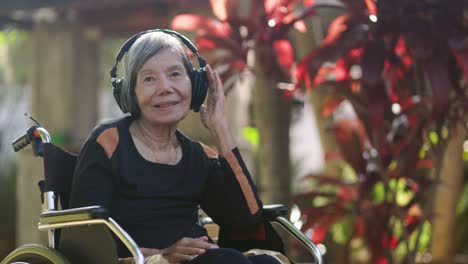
126, 46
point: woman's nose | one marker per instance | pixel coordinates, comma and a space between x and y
165, 86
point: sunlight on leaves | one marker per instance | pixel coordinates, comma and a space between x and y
342, 230
348, 173
463, 201
465, 150
320, 201
433, 137
252, 136
378, 192
444, 132
403, 196
425, 238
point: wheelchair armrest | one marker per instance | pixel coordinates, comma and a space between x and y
271, 211
75, 214
90, 215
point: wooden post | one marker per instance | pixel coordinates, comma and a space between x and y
64, 99
446, 198
272, 115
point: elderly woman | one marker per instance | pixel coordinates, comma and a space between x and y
152, 177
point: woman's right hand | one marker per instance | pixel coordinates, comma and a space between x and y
187, 249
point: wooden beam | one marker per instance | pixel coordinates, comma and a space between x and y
117, 17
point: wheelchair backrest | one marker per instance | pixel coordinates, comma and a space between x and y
58, 171
81, 244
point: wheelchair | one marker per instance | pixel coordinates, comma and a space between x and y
88, 235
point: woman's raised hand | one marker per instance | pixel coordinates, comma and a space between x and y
187, 249
212, 114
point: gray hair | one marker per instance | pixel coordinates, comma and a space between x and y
141, 51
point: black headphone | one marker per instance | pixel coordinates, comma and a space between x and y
198, 78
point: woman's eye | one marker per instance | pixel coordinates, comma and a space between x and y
175, 74
148, 79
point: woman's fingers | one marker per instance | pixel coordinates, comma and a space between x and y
198, 243
178, 258
190, 251
216, 95
219, 84
215, 84
211, 77
187, 248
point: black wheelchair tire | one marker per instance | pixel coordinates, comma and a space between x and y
35, 254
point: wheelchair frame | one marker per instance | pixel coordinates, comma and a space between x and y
52, 219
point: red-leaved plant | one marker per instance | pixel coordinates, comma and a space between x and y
228, 38
402, 65
409, 56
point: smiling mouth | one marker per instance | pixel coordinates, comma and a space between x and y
165, 105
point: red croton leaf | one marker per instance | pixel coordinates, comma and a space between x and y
312, 195
324, 179
285, 54
426, 163
341, 70
319, 233
221, 43
330, 103
371, 7
271, 6
308, 2
219, 9
462, 60
192, 22
336, 28
300, 26
347, 193
352, 140
321, 220
339, 41
204, 44
382, 260
372, 83
412, 222
224, 9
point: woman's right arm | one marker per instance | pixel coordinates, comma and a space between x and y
93, 183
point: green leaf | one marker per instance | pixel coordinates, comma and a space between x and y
378, 192
342, 230
434, 137
403, 195
252, 136
463, 201
425, 238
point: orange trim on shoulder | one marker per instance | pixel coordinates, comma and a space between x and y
243, 182
209, 151
108, 140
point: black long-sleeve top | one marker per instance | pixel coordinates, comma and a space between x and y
157, 203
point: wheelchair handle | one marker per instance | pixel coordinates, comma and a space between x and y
36, 136
21, 142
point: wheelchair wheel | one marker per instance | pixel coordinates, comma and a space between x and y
35, 254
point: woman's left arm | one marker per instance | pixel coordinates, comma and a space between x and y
231, 196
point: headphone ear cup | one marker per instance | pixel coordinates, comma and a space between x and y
117, 92
199, 88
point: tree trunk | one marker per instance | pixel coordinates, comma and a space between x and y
272, 119
446, 199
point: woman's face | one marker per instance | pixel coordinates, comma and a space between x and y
163, 88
